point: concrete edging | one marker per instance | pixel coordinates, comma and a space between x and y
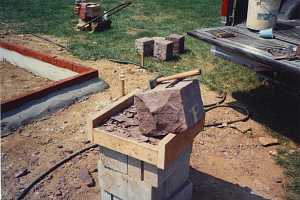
78, 82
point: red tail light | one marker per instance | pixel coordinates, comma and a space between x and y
224, 8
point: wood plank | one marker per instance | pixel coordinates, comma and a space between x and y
142, 151
114, 108
98, 118
172, 145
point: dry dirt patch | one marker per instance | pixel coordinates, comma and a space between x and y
227, 164
16, 81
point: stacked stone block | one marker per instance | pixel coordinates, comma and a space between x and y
163, 49
144, 46
122, 177
178, 41
167, 109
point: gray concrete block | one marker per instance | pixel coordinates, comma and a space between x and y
176, 180
114, 160
123, 187
141, 171
157, 176
135, 169
105, 195
184, 193
142, 180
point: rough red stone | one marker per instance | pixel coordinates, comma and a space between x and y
165, 110
144, 46
163, 49
178, 41
86, 178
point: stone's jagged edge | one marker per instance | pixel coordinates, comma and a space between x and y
85, 73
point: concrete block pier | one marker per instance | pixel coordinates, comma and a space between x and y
124, 177
133, 166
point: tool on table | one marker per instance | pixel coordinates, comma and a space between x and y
92, 16
177, 77
289, 53
222, 34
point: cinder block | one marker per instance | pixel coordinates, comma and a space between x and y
135, 169
157, 176
142, 181
114, 160
176, 180
121, 186
107, 196
178, 41
144, 46
184, 193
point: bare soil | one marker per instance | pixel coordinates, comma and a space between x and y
226, 163
15, 81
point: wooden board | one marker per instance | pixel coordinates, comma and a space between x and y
160, 155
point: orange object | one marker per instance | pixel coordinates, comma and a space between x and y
224, 8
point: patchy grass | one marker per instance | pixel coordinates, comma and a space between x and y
143, 18
291, 163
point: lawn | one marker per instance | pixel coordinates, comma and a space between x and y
143, 18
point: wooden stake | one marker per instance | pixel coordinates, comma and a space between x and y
122, 78
142, 59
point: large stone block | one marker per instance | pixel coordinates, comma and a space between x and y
166, 109
144, 46
178, 41
163, 49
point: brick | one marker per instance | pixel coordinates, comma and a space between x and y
169, 109
144, 46
178, 41
163, 49
114, 160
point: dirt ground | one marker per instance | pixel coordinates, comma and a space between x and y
225, 163
15, 81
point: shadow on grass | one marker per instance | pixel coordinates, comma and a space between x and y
275, 108
207, 187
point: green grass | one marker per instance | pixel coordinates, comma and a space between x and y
143, 18
291, 163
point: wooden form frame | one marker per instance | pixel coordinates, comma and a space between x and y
160, 155
84, 74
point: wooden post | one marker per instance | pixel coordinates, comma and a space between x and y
122, 78
142, 59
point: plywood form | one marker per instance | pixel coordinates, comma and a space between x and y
161, 155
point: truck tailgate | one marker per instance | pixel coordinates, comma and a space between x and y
249, 45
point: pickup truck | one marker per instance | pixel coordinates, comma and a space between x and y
276, 60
